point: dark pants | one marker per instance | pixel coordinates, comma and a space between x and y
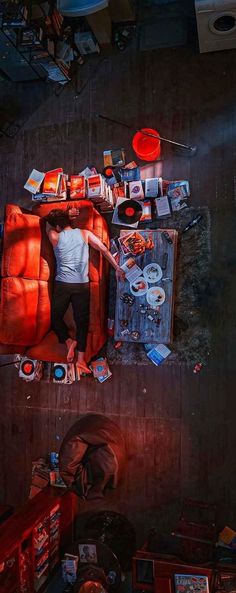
78, 295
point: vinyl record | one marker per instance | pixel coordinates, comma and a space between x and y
130, 211
27, 367
108, 172
59, 372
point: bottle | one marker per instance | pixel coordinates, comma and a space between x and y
192, 223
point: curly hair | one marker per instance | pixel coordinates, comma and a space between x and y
59, 218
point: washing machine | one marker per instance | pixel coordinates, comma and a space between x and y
216, 24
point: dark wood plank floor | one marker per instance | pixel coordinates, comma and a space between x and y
179, 427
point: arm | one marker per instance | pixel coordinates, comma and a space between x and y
99, 246
52, 234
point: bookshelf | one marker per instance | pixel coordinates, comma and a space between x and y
34, 539
26, 47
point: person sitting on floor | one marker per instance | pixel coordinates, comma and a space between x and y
71, 285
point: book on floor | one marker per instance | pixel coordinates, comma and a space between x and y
178, 189
34, 181
77, 187
127, 174
152, 187
114, 157
136, 190
95, 185
51, 181
100, 369
162, 207
131, 269
157, 354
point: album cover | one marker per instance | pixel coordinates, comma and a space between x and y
77, 187
136, 190
130, 174
51, 181
152, 187
132, 243
34, 181
190, 583
116, 219
178, 189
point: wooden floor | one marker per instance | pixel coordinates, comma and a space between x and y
179, 427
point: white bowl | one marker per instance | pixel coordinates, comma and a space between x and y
152, 273
136, 285
152, 296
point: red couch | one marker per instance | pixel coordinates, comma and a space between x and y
27, 281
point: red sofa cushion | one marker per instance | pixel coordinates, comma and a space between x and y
25, 311
27, 251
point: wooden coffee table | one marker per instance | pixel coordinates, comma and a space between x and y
148, 324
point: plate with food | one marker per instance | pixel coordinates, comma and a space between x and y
139, 287
152, 273
155, 296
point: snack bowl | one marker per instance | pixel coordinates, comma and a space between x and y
152, 273
155, 296
139, 287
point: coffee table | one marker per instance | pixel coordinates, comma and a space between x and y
150, 325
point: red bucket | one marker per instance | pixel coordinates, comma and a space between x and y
145, 147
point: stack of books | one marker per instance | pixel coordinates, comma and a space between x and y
100, 192
47, 187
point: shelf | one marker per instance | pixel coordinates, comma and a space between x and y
14, 30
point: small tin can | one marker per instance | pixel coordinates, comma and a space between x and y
110, 327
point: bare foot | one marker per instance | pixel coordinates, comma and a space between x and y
83, 368
71, 345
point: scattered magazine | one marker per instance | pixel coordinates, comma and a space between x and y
177, 204
178, 189
162, 206
157, 354
127, 174
151, 187
132, 271
100, 369
114, 158
136, 190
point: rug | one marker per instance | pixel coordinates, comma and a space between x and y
192, 337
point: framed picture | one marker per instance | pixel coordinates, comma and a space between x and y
88, 553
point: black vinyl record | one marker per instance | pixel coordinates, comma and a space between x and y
130, 211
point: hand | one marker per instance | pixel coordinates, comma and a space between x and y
120, 274
73, 212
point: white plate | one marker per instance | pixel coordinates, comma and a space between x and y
152, 273
140, 285
152, 296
